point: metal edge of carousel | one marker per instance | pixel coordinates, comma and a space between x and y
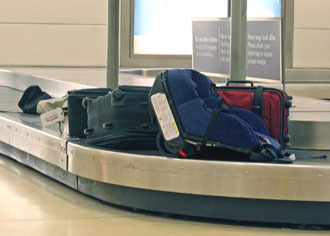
296, 193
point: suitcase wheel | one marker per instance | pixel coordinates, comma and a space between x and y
288, 104
117, 95
88, 131
288, 145
107, 125
287, 138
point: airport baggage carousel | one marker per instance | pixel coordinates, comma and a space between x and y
297, 193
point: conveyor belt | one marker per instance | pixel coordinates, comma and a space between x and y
267, 192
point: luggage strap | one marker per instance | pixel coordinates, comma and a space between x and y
211, 125
270, 153
312, 157
223, 107
258, 102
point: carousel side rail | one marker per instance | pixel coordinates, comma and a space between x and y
22, 81
268, 192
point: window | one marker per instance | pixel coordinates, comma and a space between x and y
264, 8
163, 27
158, 33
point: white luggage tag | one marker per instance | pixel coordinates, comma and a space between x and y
52, 117
165, 117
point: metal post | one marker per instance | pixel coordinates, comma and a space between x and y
238, 39
113, 43
229, 8
283, 41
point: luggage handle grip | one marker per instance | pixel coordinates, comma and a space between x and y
107, 125
88, 131
239, 82
85, 102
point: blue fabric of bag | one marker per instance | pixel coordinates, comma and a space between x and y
195, 103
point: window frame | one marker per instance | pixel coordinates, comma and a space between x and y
130, 60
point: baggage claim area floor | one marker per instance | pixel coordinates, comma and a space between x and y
33, 204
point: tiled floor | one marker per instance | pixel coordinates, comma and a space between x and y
34, 205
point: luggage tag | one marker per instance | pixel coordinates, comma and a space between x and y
165, 116
51, 117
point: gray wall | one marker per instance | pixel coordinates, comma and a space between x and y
73, 33
53, 32
311, 41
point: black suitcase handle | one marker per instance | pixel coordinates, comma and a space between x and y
88, 131
239, 82
86, 102
91, 92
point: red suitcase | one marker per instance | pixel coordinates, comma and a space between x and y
271, 105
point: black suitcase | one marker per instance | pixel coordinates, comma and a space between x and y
76, 113
121, 120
